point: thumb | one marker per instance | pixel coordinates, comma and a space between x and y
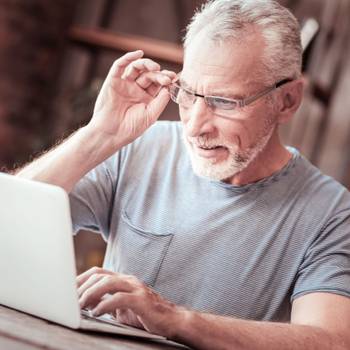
157, 105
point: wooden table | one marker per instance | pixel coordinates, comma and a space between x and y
20, 331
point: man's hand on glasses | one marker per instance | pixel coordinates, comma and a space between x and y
132, 97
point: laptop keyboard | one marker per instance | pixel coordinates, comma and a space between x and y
106, 318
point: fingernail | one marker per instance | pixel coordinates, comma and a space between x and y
95, 312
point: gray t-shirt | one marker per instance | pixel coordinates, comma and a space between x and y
243, 251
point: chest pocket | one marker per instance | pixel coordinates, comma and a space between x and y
139, 252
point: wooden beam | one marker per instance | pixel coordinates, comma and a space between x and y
107, 40
114, 41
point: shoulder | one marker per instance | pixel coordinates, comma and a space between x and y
322, 192
162, 132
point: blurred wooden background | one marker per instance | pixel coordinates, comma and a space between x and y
55, 54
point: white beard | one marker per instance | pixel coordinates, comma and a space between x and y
235, 162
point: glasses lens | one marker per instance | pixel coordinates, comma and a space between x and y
221, 104
181, 96
185, 98
174, 91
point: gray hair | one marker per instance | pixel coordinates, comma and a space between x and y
231, 19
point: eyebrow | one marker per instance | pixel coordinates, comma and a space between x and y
216, 94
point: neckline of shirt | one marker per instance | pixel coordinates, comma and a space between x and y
263, 182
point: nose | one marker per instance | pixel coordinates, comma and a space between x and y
198, 119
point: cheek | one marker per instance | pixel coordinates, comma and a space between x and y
185, 114
235, 133
250, 129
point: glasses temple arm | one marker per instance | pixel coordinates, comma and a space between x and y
251, 99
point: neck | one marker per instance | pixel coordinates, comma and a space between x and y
272, 159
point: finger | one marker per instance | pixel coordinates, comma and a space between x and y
121, 63
108, 284
82, 278
92, 295
149, 78
146, 64
153, 90
172, 75
157, 105
152, 82
120, 300
89, 283
135, 68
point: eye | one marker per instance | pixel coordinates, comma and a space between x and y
221, 103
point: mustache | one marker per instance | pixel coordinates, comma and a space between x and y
207, 142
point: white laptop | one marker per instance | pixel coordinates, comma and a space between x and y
37, 264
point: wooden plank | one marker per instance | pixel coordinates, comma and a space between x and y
308, 32
303, 131
89, 12
103, 39
14, 344
311, 127
149, 18
312, 121
335, 150
76, 63
330, 72
40, 334
184, 10
291, 133
306, 9
294, 132
286, 3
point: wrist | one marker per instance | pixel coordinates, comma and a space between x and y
182, 324
96, 145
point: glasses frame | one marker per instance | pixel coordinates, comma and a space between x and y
239, 102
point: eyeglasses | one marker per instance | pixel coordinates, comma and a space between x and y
219, 105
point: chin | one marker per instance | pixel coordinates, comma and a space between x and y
216, 168
216, 171
234, 163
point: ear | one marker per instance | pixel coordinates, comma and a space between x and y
290, 96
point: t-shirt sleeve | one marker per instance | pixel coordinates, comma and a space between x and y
92, 198
326, 264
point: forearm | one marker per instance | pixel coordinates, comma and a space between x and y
205, 331
122, 112
67, 163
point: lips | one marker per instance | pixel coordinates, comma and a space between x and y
209, 152
209, 148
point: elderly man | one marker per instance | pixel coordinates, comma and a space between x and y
218, 235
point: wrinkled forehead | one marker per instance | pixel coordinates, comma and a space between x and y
224, 62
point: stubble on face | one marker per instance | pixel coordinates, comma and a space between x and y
237, 159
